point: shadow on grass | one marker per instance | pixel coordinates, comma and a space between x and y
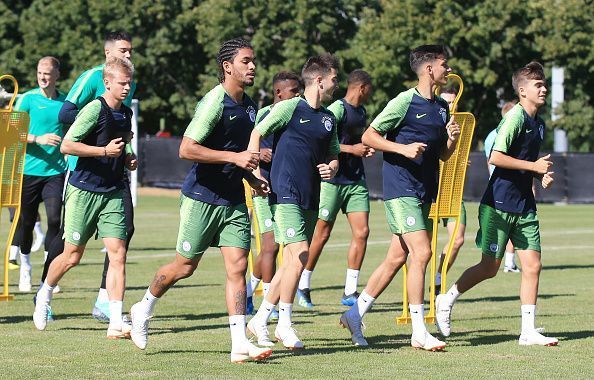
510, 298
573, 335
176, 286
569, 266
29, 318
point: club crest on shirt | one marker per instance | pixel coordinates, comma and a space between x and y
443, 113
327, 121
252, 112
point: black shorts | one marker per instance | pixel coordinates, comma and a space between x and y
36, 189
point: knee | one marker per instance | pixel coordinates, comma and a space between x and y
458, 242
324, 234
73, 259
186, 270
490, 271
393, 264
532, 268
361, 233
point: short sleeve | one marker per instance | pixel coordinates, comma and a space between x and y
23, 103
84, 89
508, 129
279, 116
337, 109
393, 114
85, 121
206, 116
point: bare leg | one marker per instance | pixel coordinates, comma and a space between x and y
319, 240
171, 273
385, 272
64, 262
531, 266
359, 222
485, 269
236, 267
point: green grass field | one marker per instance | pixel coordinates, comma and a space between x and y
190, 335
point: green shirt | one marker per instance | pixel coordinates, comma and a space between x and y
43, 160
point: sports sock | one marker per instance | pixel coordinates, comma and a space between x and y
528, 318
44, 256
237, 328
438, 279
305, 280
264, 311
45, 292
14, 251
102, 296
252, 285
417, 316
115, 314
363, 304
37, 228
25, 261
350, 284
452, 295
284, 313
265, 288
509, 259
148, 302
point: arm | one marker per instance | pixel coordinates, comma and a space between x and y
68, 113
453, 131
375, 140
502, 160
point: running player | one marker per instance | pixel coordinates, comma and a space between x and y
285, 85
305, 150
418, 134
213, 210
347, 191
43, 178
88, 87
508, 208
509, 265
94, 201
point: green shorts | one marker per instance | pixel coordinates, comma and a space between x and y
408, 214
497, 227
263, 214
348, 198
203, 225
293, 224
462, 217
88, 211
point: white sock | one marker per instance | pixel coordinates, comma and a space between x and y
252, 285
264, 311
14, 251
237, 327
265, 288
452, 295
37, 228
149, 301
44, 294
417, 316
25, 261
102, 296
305, 280
528, 318
363, 304
115, 314
350, 284
438, 279
284, 313
44, 256
509, 259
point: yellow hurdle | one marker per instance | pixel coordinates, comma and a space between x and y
14, 127
449, 202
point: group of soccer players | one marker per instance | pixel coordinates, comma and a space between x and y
304, 163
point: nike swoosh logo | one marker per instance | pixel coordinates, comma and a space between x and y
421, 115
42, 107
232, 117
302, 121
528, 130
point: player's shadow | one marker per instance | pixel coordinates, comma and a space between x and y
568, 266
143, 249
29, 318
510, 298
177, 330
192, 317
330, 287
572, 335
177, 286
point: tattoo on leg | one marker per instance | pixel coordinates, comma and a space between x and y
158, 283
240, 300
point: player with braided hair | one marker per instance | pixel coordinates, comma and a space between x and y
213, 210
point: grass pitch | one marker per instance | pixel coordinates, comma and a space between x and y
189, 336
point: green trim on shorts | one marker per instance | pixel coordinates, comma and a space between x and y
453, 220
348, 198
293, 224
497, 227
203, 225
263, 213
88, 211
408, 214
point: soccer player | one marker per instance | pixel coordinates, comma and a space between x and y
509, 265
449, 95
347, 191
213, 210
43, 178
306, 150
94, 201
285, 85
88, 87
508, 209
417, 134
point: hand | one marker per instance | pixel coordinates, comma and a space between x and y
542, 165
247, 160
547, 180
370, 152
361, 150
453, 129
327, 171
131, 161
258, 184
266, 155
413, 150
114, 148
49, 139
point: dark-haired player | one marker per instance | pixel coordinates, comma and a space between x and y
285, 85
417, 135
508, 208
306, 151
347, 191
213, 210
